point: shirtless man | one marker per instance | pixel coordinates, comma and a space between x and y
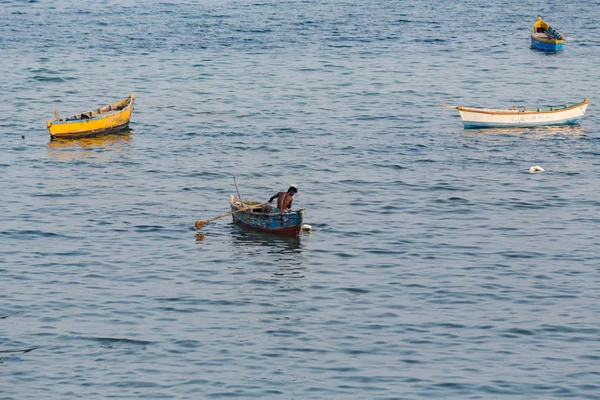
285, 199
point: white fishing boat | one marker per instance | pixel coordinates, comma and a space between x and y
567, 114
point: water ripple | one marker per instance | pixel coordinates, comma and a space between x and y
438, 266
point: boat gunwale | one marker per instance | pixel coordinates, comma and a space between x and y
96, 118
125, 103
249, 210
552, 41
519, 112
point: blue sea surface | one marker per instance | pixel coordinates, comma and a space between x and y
438, 266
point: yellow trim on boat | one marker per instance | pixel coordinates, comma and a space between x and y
550, 40
540, 23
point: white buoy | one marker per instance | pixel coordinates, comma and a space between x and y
535, 169
306, 227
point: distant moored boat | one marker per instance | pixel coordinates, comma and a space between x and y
545, 37
567, 114
111, 118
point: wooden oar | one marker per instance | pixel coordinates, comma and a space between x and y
447, 106
200, 224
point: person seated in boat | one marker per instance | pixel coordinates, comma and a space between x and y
285, 199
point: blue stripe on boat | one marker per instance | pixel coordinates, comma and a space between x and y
536, 44
476, 125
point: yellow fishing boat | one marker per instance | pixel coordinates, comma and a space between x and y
107, 119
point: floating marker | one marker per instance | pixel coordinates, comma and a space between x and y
535, 169
306, 227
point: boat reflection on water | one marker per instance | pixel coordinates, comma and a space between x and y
284, 251
534, 133
244, 236
89, 147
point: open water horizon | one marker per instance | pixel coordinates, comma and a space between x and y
438, 265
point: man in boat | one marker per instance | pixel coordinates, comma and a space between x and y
285, 199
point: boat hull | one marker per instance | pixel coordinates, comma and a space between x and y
549, 46
99, 123
485, 118
289, 223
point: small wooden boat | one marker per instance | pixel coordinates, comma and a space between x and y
108, 119
265, 218
568, 114
546, 38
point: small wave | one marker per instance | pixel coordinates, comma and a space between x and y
19, 350
520, 254
443, 187
435, 40
29, 233
112, 340
190, 344
41, 78
570, 329
355, 290
149, 228
518, 332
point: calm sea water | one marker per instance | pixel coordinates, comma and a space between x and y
438, 266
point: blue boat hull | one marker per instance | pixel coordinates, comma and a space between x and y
546, 46
286, 224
